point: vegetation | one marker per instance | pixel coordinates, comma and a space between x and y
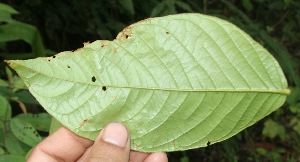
65, 25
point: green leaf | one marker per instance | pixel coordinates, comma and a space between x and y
158, 9
7, 9
177, 82
18, 83
39, 121
5, 13
5, 109
25, 132
4, 83
14, 158
12, 144
21, 31
127, 5
184, 6
55, 125
272, 129
2, 151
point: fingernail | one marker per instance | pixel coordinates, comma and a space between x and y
116, 134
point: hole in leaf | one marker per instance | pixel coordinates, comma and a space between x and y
93, 78
104, 88
126, 36
208, 143
53, 56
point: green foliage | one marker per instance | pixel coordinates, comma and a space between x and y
214, 68
12, 30
19, 133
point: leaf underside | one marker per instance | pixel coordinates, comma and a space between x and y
177, 82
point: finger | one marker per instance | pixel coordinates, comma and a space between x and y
63, 145
112, 145
157, 157
136, 156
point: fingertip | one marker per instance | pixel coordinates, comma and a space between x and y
157, 157
116, 134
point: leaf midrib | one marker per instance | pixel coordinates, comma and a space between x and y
274, 91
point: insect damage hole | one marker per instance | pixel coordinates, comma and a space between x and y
104, 88
208, 143
93, 79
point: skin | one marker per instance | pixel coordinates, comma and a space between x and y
112, 145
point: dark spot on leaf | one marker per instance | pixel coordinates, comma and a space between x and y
102, 45
68, 66
167, 33
208, 143
126, 36
49, 60
93, 78
104, 88
53, 56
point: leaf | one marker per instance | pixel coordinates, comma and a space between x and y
14, 158
25, 132
39, 121
177, 82
12, 144
4, 83
184, 6
128, 5
5, 13
4, 8
21, 31
55, 125
5, 109
272, 129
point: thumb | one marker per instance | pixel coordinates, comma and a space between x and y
112, 144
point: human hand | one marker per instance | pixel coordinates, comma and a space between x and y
112, 145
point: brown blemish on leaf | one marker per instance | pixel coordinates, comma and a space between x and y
167, 32
77, 50
135, 145
104, 88
125, 33
83, 122
174, 143
86, 43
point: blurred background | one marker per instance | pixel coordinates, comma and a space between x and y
35, 28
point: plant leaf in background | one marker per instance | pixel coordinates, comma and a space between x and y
25, 132
5, 12
128, 5
177, 82
13, 30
